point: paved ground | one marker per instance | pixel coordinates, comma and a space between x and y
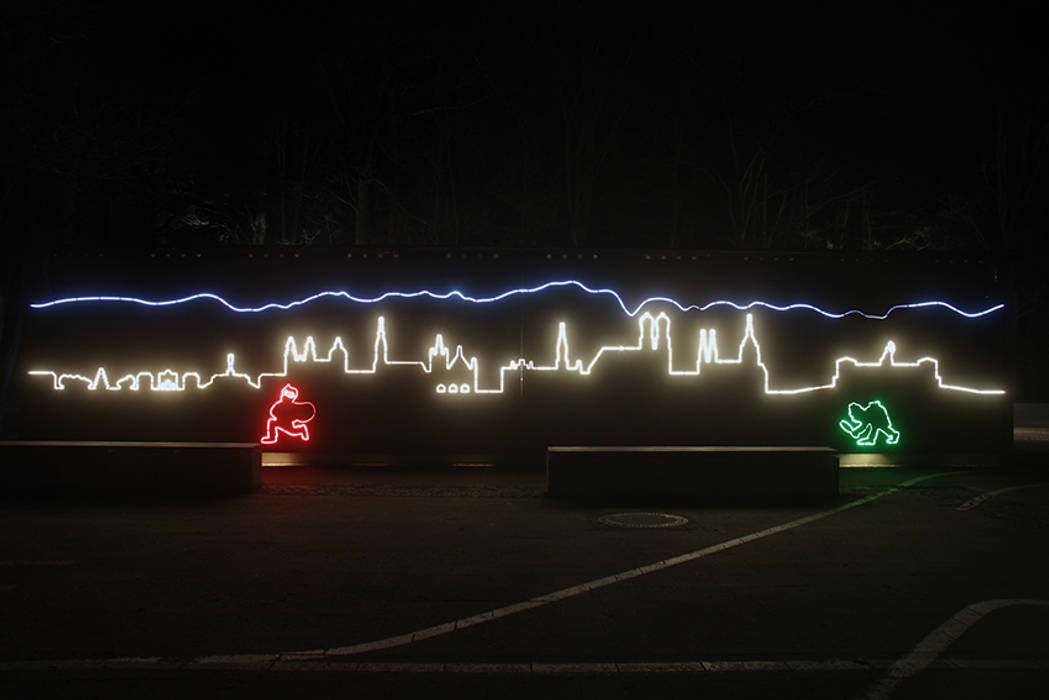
209, 598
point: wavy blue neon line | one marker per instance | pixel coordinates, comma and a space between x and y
514, 292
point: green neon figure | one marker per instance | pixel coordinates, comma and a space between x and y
866, 422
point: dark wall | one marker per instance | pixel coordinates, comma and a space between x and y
628, 398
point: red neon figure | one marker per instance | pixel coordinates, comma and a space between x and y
286, 411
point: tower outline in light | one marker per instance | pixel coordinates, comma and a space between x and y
653, 336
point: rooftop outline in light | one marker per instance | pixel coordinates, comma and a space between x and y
459, 295
654, 335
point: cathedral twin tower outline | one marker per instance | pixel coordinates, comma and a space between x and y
654, 338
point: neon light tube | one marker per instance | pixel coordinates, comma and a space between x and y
456, 294
866, 423
654, 336
288, 416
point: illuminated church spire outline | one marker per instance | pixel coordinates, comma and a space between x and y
654, 334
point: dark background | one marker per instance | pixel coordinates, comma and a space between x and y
574, 124
200, 129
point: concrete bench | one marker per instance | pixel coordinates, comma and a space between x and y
698, 475
179, 467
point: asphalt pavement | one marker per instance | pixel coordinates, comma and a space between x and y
393, 582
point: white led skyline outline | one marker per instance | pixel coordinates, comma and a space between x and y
456, 294
655, 327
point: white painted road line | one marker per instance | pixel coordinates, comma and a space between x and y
928, 649
277, 663
315, 655
972, 503
565, 593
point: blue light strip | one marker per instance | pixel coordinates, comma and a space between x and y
456, 294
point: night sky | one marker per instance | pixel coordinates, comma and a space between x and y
576, 125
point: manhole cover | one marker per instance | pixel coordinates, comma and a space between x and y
645, 520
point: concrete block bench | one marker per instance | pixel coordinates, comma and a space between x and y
179, 467
697, 475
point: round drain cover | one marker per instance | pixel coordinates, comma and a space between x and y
645, 520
